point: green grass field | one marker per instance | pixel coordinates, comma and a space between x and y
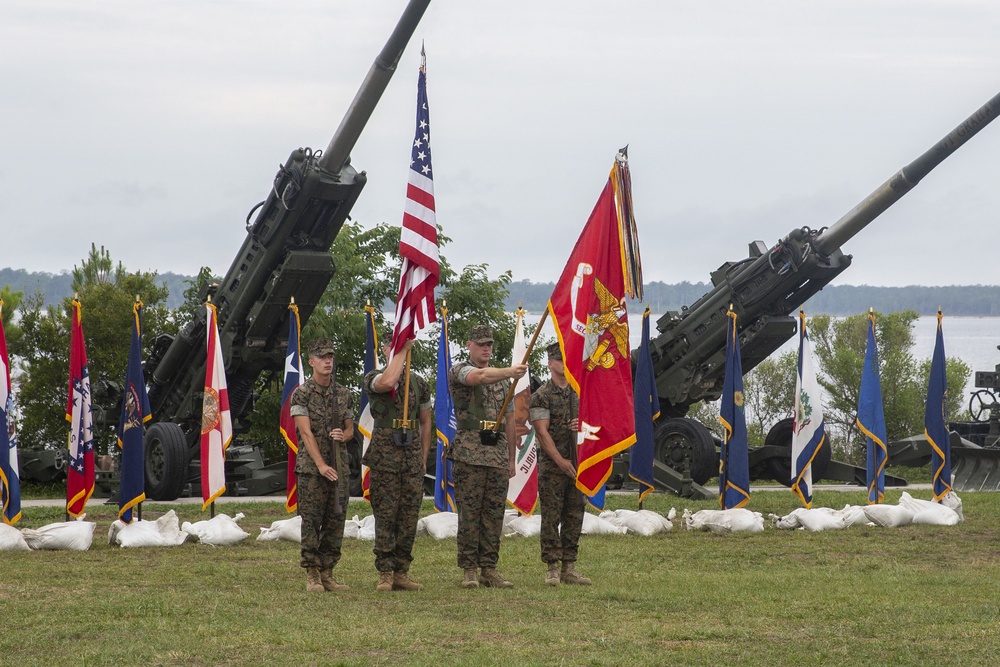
917, 595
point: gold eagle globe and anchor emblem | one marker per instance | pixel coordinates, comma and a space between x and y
132, 419
605, 327
210, 412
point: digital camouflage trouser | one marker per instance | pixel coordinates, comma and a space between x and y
562, 503
481, 495
322, 525
395, 499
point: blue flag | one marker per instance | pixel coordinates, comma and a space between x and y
734, 464
935, 421
597, 500
871, 419
135, 413
647, 410
444, 417
10, 481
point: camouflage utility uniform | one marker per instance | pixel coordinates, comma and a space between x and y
322, 503
481, 471
396, 472
562, 503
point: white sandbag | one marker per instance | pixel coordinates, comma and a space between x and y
595, 525
508, 516
288, 529
788, 522
854, 515
889, 516
440, 526
643, 522
929, 513
11, 539
951, 500
164, 532
351, 528
527, 526
736, 520
820, 518
366, 528
66, 535
220, 530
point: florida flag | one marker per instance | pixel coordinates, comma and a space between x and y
366, 423
871, 418
293, 378
216, 422
10, 481
522, 490
80, 415
591, 321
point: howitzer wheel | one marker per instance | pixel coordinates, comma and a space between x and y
686, 446
981, 405
780, 468
166, 461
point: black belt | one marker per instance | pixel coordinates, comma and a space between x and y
472, 425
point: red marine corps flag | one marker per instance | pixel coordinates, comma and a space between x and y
216, 422
591, 320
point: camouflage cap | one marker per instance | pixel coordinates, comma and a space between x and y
321, 347
481, 333
554, 352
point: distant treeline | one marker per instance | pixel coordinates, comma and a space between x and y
955, 300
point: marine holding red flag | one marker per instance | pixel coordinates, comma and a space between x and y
591, 321
293, 378
80, 415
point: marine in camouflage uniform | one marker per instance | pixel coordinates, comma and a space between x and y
397, 459
555, 410
482, 460
324, 422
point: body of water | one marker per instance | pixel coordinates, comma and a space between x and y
974, 340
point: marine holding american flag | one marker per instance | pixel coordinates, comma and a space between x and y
483, 457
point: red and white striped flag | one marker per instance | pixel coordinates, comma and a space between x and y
216, 421
418, 243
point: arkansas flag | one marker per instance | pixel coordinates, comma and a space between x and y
522, 490
286, 424
591, 321
216, 422
80, 415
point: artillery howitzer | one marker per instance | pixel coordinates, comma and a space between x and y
765, 290
975, 445
285, 254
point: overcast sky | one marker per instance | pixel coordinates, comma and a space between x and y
153, 127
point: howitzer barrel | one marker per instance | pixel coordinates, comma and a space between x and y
371, 90
903, 181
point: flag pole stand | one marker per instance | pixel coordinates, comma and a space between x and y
527, 355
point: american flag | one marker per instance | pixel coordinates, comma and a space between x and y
79, 413
418, 245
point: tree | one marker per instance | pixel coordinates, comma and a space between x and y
769, 394
106, 292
